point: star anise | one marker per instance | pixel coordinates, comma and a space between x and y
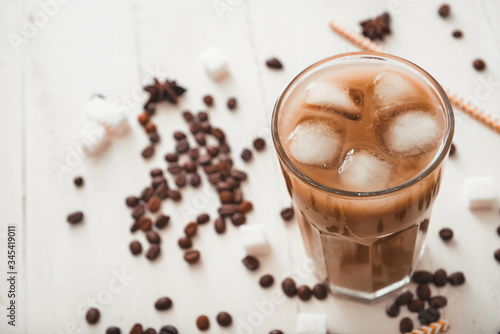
167, 91
378, 27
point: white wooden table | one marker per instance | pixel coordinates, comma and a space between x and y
111, 47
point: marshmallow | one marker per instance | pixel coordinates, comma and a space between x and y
99, 110
308, 323
96, 108
253, 238
215, 63
480, 192
116, 122
92, 138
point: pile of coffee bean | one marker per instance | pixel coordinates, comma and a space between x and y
304, 292
426, 305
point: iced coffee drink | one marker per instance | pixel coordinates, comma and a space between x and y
361, 139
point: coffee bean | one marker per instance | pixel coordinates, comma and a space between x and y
193, 153
145, 223
416, 305
457, 278
157, 181
182, 146
245, 207
224, 319
320, 291
195, 180
174, 168
266, 281
162, 221
203, 116
496, 254
206, 127
218, 134
134, 227
150, 331
226, 197
147, 193
135, 247
422, 277
275, 331
190, 229
179, 135
238, 175
274, 63
404, 298
224, 148
78, 181
446, 234
232, 103
148, 152
202, 323
153, 252
405, 325
92, 316
143, 118
226, 210
75, 217
156, 172
200, 139
259, 144
163, 303
289, 287
150, 127
423, 292
171, 157
131, 201
237, 196
208, 100
392, 310
113, 330
188, 116
180, 180
175, 195
479, 64
136, 329
440, 277
205, 160
444, 10
287, 213
194, 127
220, 225
212, 151
438, 302
251, 262
154, 204
428, 315
190, 166
153, 237
304, 292
185, 243
498, 230
150, 108
192, 256
138, 211
457, 33
168, 330
246, 155
202, 218
154, 138
238, 219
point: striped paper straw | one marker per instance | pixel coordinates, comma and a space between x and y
434, 328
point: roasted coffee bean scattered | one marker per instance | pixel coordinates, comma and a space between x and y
192, 256
135, 247
148, 152
145, 223
143, 118
259, 144
92, 316
453, 149
289, 287
245, 207
444, 10
171, 157
75, 217
136, 329
168, 330
190, 229
175, 195
479, 64
179, 135
457, 278
266, 281
224, 319
190, 166
404, 298
200, 139
154, 204
149, 331
238, 219
154, 138
138, 211
203, 116
174, 168
202, 323
226, 210
274, 63
163, 303
496, 254
392, 310
304, 292
440, 278
153, 252
180, 180
220, 225
78, 181
251, 262
422, 277
147, 193
232, 103
416, 305
275, 331
150, 127
162, 221
320, 292
113, 330
428, 316
194, 180
377, 28
153, 237
131, 201
202, 218
246, 155
498, 230
446, 234
185, 243
438, 302
156, 172
182, 146
208, 100
287, 213
457, 33
423, 292
405, 325
134, 227
188, 116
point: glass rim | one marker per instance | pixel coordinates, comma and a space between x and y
368, 55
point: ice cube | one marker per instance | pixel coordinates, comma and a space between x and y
391, 87
409, 133
316, 142
348, 102
362, 170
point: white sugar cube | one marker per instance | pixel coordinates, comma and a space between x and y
215, 63
308, 323
480, 192
254, 240
116, 122
96, 108
99, 110
92, 138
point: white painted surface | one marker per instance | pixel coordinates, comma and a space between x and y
109, 47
